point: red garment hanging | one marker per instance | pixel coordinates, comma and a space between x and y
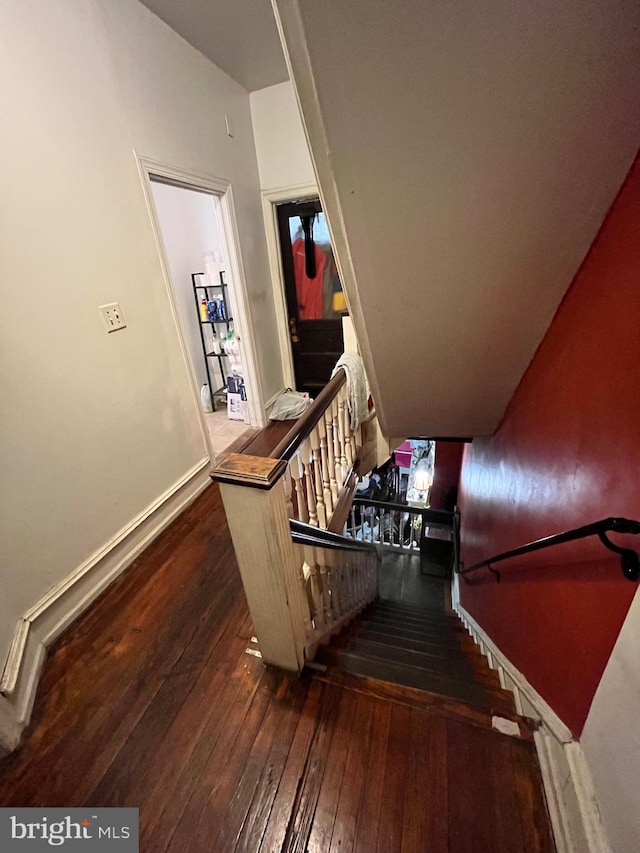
308, 290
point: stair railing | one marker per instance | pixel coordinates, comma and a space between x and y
320, 451
340, 576
298, 591
629, 560
399, 527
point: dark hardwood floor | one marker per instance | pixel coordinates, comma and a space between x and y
150, 700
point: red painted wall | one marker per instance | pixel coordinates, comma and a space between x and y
567, 453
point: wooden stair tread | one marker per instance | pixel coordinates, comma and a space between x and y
450, 665
437, 646
384, 614
435, 656
425, 700
399, 631
361, 663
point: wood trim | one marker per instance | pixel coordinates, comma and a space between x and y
243, 320
270, 198
43, 623
269, 568
571, 798
306, 422
258, 472
11, 670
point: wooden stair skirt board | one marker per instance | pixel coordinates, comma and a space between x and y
570, 795
418, 649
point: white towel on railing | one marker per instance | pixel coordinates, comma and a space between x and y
357, 390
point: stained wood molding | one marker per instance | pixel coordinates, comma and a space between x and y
258, 472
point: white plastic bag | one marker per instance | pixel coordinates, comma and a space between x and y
289, 405
205, 398
231, 347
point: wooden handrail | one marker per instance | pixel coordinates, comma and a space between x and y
306, 422
432, 517
306, 534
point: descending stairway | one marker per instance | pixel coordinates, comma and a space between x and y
424, 648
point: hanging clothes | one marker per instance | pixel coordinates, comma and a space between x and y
309, 263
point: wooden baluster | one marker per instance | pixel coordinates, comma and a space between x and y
331, 459
382, 513
343, 415
352, 517
325, 586
324, 466
314, 440
365, 579
303, 574
287, 492
315, 594
297, 474
312, 506
352, 582
333, 560
356, 579
349, 454
337, 452
344, 583
369, 576
333, 564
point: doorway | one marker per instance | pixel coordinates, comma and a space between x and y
193, 221
314, 297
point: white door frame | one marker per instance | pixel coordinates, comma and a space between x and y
241, 312
270, 198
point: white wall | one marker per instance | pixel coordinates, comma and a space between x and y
189, 229
466, 155
281, 146
97, 427
611, 739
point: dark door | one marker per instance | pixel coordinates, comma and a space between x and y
315, 301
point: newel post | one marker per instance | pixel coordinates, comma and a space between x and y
255, 501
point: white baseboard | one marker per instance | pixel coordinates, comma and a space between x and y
47, 619
571, 800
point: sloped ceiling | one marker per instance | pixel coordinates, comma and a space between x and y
467, 154
239, 36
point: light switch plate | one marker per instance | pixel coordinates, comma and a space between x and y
112, 317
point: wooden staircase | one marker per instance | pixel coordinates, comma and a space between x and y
421, 648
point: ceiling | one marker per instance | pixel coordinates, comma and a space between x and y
239, 36
466, 154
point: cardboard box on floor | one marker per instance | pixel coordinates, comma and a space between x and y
236, 398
